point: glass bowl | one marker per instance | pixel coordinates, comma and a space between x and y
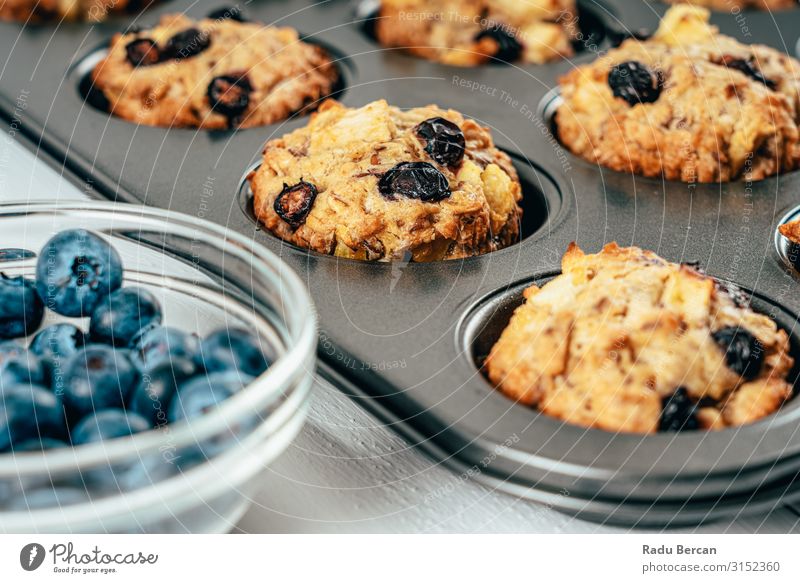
190, 476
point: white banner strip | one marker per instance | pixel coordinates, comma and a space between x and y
399, 558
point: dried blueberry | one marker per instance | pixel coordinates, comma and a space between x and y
142, 52
229, 95
744, 353
444, 140
227, 13
678, 413
749, 68
508, 47
419, 180
634, 82
294, 202
187, 43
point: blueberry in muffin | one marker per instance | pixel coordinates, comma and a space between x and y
212, 74
626, 341
69, 10
381, 183
687, 104
473, 32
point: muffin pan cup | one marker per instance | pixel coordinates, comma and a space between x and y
405, 340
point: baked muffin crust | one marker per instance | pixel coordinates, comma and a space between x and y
473, 32
689, 104
219, 73
624, 341
57, 10
354, 158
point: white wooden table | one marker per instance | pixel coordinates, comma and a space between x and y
347, 472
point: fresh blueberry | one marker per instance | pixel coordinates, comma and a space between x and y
21, 308
58, 342
122, 315
76, 271
108, 424
200, 395
233, 349
48, 497
103, 426
154, 344
9, 348
97, 377
152, 396
29, 412
37, 444
24, 368
146, 472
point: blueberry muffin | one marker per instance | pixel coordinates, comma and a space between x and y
380, 183
688, 104
625, 341
57, 10
212, 74
731, 5
472, 32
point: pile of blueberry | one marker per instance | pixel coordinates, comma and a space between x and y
126, 373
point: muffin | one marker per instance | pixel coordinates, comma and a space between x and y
380, 183
791, 231
57, 10
472, 32
212, 74
625, 341
731, 5
688, 104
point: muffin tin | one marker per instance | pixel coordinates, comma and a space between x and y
406, 340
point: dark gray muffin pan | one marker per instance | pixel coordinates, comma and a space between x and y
406, 340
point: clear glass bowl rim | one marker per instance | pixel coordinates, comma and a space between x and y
276, 379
